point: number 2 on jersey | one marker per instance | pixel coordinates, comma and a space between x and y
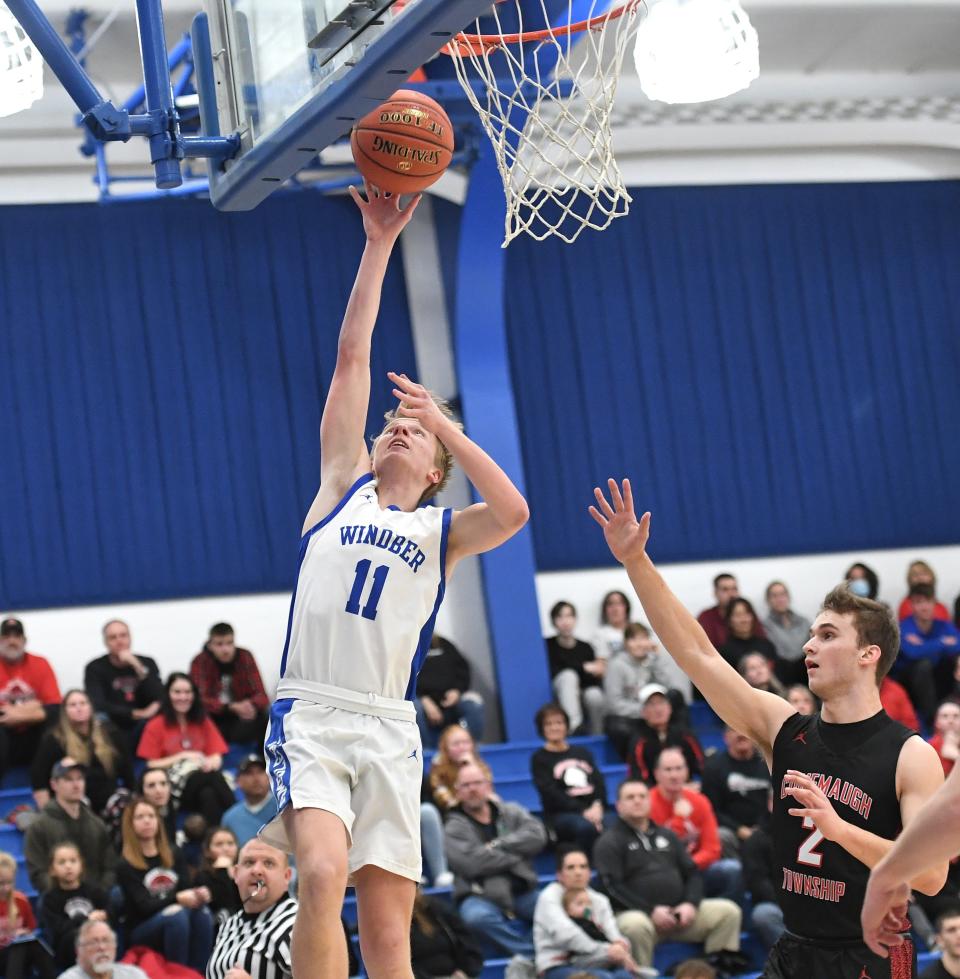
807, 853
369, 610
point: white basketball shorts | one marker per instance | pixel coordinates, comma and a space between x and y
364, 768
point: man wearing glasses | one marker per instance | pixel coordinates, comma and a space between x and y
490, 848
97, 955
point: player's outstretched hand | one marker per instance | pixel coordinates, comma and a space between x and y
383, 217
625, 535
415, 402
884, 914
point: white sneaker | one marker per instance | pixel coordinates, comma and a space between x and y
443, 880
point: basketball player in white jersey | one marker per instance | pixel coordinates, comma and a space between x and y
343, 745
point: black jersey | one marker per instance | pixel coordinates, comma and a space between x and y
821, 886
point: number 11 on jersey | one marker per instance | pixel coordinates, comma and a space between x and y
369, 610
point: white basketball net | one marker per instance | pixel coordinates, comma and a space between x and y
546, 106
21, 69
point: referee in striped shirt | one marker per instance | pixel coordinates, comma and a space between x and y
255, 942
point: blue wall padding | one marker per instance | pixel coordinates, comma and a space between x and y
164, 370
776, 367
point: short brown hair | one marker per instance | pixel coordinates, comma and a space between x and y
443, 458
695, 969
873, 621
636, 629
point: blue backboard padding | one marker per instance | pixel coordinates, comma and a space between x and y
166, 366
776, 368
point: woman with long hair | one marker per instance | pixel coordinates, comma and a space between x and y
162, 911
184, 742
455, 749
614, 618
219, 857
79, 734
744, 634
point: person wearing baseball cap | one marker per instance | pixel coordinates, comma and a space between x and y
658, 730
29, 695
258, 806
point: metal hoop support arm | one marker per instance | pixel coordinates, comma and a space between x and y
160, 123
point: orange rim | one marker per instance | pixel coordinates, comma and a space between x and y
480, 44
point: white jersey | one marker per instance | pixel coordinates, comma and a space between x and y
370, 585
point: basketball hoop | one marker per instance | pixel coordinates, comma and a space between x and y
546, 103
21, 68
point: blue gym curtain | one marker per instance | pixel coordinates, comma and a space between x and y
777, 368
164, 367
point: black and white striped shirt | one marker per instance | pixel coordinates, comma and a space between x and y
258, 943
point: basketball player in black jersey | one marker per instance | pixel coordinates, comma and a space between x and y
846, 780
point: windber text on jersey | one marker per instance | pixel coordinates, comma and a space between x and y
407, 550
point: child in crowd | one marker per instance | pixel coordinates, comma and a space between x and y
20, 947
69, 903
219, 857
576, 903
802, 700
756, 670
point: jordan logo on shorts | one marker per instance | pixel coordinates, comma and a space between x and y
413, 754
864, 974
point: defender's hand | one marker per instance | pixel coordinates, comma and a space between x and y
383, 217
625, 535
884, 914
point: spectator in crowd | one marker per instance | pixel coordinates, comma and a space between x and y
29, 697
654, 885
948, 941
657, 732
920, 573
714, 620
863, 581
21, 954
230, 687
220, 849
744, 634
695, 969
627, 674
163, 913
96, 946
614, 619
66, 818
490, 848
431, 839
572, 790
444, 696
575, 671
184, 742
946, 737
255, 941
456, 748
766, 918
737, 783
123, 685
82, 736
69, 903
440, 943
928, 651
258, 805
154, 786
802, 700
788, 632
896, 702
689, 815
756, 670
562, 936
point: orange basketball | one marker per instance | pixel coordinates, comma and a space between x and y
404, 145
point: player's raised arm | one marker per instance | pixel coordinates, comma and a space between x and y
752, 712
343, 453
482, 526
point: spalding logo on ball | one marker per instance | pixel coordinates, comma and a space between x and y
404, 145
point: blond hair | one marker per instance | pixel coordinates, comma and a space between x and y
8, 863
443, 457
83, 749
443, 770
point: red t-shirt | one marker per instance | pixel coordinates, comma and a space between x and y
906, 610
948, 763
31, 678
896, 702
160, 739
697, 830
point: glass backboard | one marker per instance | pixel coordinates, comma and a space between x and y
292, 76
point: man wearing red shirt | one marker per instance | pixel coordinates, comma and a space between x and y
689, 815
29, 693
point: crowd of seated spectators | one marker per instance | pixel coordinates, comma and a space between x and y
140, 837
